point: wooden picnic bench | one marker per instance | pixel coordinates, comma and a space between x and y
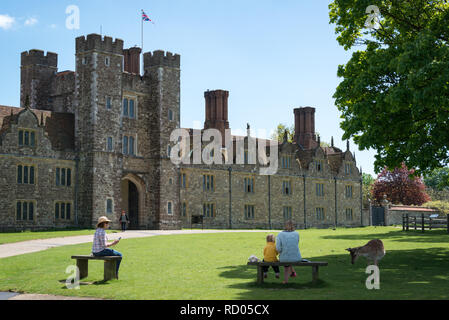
314, 265
110, 266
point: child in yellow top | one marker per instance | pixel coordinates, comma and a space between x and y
270, 255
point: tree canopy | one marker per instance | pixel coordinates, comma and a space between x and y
394, 93
438, 179
400, 187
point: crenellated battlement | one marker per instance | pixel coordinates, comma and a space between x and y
98, 43
38, 57
161, 59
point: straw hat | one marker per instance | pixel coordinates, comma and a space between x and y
102, 219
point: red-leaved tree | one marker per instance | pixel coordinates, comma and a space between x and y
400, 187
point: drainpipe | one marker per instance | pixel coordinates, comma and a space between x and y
361, 202
269, 202
305, 210
77, 160
336, 210
230, 197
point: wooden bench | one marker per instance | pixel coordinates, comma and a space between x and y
110, 266
314, 265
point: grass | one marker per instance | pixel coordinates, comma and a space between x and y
213, 266
29, 235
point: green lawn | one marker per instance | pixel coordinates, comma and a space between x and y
26, 236
213, 266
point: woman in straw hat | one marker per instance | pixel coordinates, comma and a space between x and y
287, 244
100, 247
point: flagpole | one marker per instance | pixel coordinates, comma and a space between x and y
141, 19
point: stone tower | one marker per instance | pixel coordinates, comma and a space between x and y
162, 71
36, 73
99, 70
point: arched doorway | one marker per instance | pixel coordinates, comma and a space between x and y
133, 200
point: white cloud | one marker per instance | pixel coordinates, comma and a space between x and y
30, 22
6, 21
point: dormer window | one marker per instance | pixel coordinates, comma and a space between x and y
286, 162
319, 165
27, 138
348, 168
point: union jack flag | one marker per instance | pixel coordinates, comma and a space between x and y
145, 17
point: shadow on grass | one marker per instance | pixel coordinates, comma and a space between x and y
430, 236
85, 283
405, 274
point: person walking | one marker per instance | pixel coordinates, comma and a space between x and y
124, 220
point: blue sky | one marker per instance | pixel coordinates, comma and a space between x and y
273, 56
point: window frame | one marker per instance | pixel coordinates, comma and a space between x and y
58, 211
249, 185
27, 134
208, 182
320, 214
30, 204
112, 207
287, 212
26, 174
249, 212
287, 187
68, 175
209, 210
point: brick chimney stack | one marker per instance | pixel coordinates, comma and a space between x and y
132, 60
217, 110
305, 127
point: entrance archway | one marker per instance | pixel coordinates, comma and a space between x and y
133, 201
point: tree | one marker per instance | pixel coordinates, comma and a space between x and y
400, 186
280, 133
438, 179
367, 186
394, 93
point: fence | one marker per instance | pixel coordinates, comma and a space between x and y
424, 223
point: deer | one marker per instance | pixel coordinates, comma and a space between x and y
373, 250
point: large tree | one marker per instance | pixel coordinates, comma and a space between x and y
394, 93
400, 187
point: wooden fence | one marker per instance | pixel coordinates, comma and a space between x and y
424, 223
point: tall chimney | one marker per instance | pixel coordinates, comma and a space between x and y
217, 111
305, 127
132, 60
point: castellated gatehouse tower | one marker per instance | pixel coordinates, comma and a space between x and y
123, 128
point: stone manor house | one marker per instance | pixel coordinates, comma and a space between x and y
96, 141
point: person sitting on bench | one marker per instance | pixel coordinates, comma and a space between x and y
287, 244
100, 247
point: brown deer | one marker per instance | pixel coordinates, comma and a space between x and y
373, 250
